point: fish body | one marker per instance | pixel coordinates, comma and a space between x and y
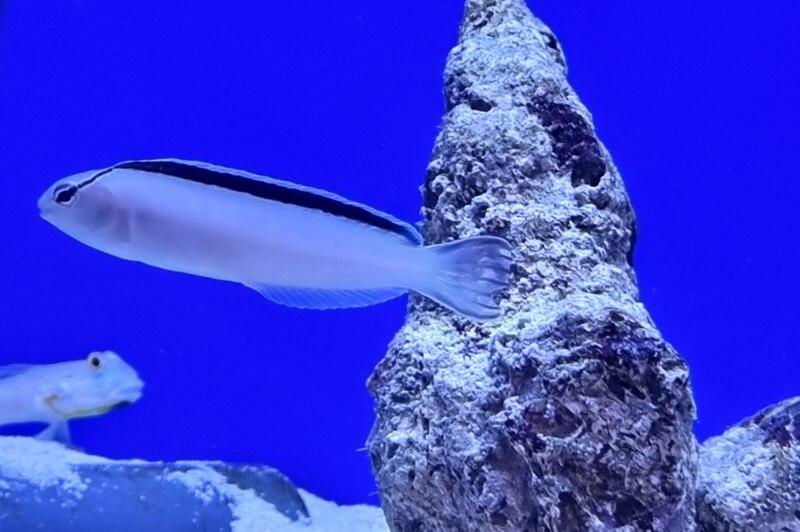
56, 393
296, 245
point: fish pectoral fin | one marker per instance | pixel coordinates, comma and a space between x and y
58, 431
62, 433
315, 298
48, 433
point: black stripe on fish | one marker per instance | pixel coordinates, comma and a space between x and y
271, 191
94, 177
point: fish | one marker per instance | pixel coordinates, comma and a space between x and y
295, 245
56, 393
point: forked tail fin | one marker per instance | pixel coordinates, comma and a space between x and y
467, 273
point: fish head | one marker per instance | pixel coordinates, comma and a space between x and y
100, 383
83, 208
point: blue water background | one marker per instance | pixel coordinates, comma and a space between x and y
697, 102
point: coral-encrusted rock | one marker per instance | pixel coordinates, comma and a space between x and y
570, 412
749, 478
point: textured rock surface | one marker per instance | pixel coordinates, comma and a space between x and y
570, 412
749, 478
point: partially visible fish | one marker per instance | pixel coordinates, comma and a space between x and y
56, 393
296, 245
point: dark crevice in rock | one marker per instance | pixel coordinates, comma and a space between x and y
551, 418
587, 169
572, 516
630, 510
575, 146
552, 42
632, 246
480, 105
498, 517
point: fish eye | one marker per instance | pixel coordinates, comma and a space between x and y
65, 194
95, 362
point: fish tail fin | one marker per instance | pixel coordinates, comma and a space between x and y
467, 273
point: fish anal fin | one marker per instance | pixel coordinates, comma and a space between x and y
315, 298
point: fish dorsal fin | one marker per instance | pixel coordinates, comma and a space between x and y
13, 369
277, 190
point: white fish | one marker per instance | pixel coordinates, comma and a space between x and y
56, 393
296, 245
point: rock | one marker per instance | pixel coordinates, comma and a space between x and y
749, 478
45, 486
570, 412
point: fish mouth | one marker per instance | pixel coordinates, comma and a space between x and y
44, 206
130, 394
